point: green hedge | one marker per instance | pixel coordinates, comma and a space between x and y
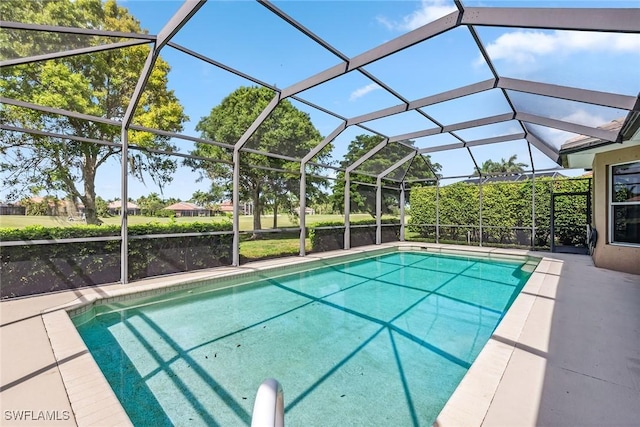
32, 269
506, 206
332, 239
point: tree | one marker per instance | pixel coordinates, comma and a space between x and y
207, 199
503, 166
102, 208
151, 204
98, 84
364, 199
287, 130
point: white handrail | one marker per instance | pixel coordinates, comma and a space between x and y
268, 409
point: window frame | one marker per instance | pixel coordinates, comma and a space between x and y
612, 204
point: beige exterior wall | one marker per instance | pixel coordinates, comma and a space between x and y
613, 257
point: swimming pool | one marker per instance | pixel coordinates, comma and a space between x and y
379, 341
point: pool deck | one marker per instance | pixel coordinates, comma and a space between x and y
566, 354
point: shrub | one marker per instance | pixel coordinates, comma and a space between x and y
35, 268
506, 212
327, 239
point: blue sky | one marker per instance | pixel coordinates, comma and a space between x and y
246, 36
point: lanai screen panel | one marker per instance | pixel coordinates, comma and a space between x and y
426, 68
552, 136
387, 158
421, 170
78, 84
569, 111
19, 43
293, 129
401, 123
470, 107
356, 27
515, 157
433, 142
570, 58
202, 81
509, 127
267, 49
347, 147
350, 94
454, 163
507, 211
541, 161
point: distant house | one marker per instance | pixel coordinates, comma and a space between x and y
513, 177
245, 208
307, 211
115, 207
53, 206
226, 206
12, 209
188, 209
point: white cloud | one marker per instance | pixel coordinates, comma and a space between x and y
360, 92
429, 11
524, 47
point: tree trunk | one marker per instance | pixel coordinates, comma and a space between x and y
275, 214
257, 210
89, 198
70, 206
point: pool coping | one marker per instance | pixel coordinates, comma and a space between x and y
94, 402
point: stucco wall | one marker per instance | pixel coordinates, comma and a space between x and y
613, 257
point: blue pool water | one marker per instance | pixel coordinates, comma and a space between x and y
379, 341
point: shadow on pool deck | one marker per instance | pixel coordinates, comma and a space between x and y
577, 361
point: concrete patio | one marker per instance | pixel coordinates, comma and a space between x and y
566, 354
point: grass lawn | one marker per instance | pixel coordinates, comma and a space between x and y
246, 222
271, 246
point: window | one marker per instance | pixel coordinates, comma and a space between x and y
625, 203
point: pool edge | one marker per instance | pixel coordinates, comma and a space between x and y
471, 400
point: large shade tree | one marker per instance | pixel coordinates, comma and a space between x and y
286, 130
363, 198
98, 84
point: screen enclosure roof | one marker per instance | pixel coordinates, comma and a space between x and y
457, 83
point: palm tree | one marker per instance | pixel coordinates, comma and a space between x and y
503, 166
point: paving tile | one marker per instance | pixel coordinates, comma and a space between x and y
517, 398
572, 399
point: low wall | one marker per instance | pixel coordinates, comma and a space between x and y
325, 239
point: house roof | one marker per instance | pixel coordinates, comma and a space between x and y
185, 206
117, 204
513, 178
582, 142
579, 152
50, 201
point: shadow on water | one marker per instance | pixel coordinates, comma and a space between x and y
142, 406
135, 396
405, 384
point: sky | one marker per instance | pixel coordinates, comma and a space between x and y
247, 37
